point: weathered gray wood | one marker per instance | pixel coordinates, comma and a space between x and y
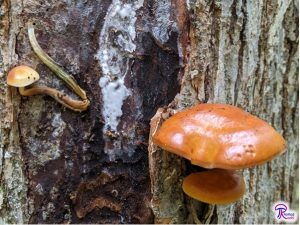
13, 188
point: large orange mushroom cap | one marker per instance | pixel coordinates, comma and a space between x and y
216, 186
219, 136
22, 76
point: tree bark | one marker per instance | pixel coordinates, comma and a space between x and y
243, 53
132, 58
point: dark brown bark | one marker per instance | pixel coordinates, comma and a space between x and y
74, 169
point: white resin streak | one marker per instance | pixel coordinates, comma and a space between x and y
116, 46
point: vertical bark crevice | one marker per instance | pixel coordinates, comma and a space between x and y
242, 38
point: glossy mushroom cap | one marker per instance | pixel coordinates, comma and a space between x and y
22, 76
215, 186
219, 136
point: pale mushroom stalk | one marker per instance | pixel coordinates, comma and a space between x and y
69, 79
60, 97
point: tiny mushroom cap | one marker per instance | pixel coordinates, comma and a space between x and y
219, 136
216, 186
22, 76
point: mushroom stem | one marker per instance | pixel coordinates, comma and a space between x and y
69, 79
62, 98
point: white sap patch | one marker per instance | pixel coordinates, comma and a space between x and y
116, 47
114, 91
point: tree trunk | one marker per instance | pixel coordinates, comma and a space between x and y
133, 57
243, 53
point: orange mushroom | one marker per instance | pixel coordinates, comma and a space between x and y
219, 136
209, 186
22, 76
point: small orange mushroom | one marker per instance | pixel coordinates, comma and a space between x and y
22, 76
216, 186
219, 136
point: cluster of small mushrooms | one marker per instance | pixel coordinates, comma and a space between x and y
221, 138
23, 76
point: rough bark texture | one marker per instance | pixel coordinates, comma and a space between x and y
243, 53
58, 166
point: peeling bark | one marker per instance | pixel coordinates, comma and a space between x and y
59, 166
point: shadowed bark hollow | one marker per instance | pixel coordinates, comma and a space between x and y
139, 60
